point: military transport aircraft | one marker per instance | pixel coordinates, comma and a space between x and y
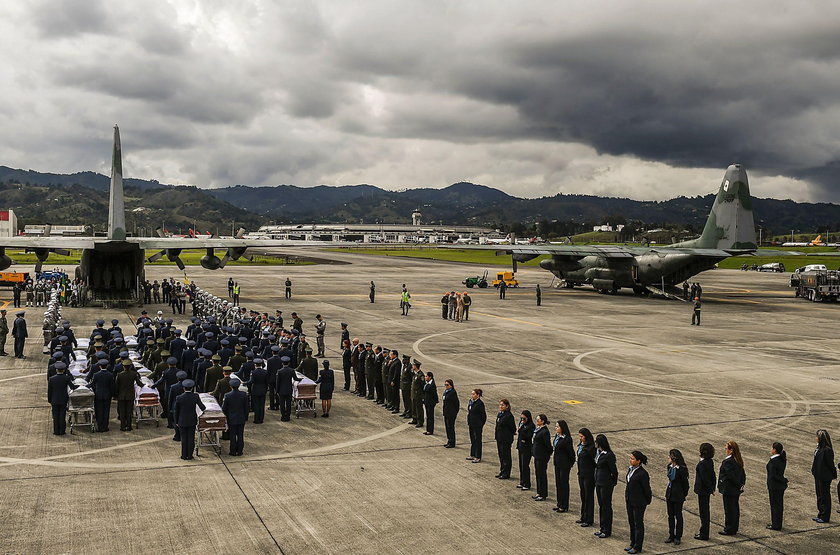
113, 265
729, 231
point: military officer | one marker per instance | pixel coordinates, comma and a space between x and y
289, 289
418, 383
4, 331
695, 316
406, 377
213, 374
378, 381
237, 360
186, 418
372, 291
285, 376
258, 386
394, 371
235, 407
174, 392
168, 378
125, 382
59, 398
320, 328
20, 334
16, 291
370, 371
104, 388
223, 385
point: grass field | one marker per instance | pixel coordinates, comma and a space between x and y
190, 258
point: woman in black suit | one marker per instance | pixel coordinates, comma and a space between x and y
505, 430
586, 477
524, 442
675, 495
731, 480
327, 380
606, 477
451, 407
564, 460
346, 354
637, 497
704, 487
776, 485
824, 472
542, 452
476, 417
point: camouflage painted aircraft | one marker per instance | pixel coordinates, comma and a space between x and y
729, 231
113, 266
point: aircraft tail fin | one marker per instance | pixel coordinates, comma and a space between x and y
817, 240
116, 204
730, 224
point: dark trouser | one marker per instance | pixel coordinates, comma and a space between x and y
475, 441
102, 409
371, 385
372, 296
17, 302
561, 483
430, 418
187, 441
444, 311
346, 378
237, 438
288, 292
319, 341
380, 392
59, 416
177, 436
695, 318
406, 397
19, 344
587, 498
3, 342
258, 402
273, 401
777, 507
705, 514
361, 383
732, 513
675, 519
466, 313
605, 510
525, 467
449, 424
636, 519
823, 499
125, 410
539, 301
417, 410
505, 461
541, 473
395, 397
285, 406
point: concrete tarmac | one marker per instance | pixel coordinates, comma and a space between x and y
761, 368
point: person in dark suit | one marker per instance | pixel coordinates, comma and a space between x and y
704, 487
541, 449
430, 400
731, 481
824, 472
285, 376
186, 418
637, 496
326, 378
675, 494
59, 398
776, 485
258, 385
273, 365
606, 477
103, 385
476, 418
125, 382
586, 477
564, 460
235, 407
505, 430
20, 334
174, 391
451, 407
524, 448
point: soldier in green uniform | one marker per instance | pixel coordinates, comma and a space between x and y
237, 359
386, 381
309, 366
406, 377
213, 374
695, 316
417, 385
370, 371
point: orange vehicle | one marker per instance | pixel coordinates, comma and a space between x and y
11, 278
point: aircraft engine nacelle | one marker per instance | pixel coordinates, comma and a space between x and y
210, 261
604, 284
5, 261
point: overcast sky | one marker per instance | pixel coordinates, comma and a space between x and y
648, 100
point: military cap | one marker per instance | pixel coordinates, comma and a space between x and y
208, 334
265, 332
188, 384
285, 359
141, 312
66, 323
243, 339
165, 353
123, 354
295, 331
21, 313
59, 365
216, 357
103, 362
172, 361
59, 329
190, 343
284, 341
343, 325
127, 362
258, 361
58, 354
181, 375
98, 336
150, 342
193, 319
100, 322
212, 319
275, 348
234, 382
308, 349
169, 320
368, 344
272, 319
160, 312
225, 342
177, 332
98, 344
272, 337
238, 348
416, 363
227, 369
160, 340
249, 354
115, 333
114, 322
406, 357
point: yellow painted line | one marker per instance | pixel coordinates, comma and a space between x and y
573, 402
5, 304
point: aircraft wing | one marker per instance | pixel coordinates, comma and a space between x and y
150, 243
607, 251
51, 242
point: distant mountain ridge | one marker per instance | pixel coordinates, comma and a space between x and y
461, 203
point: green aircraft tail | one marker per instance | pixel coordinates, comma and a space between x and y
730, 224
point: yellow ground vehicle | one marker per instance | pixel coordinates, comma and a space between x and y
507, 277
11, 278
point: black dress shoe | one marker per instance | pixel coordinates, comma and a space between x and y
677, 541
418, 426
771, 527
669, 540
585, 525
702, 538
578, 521
504, 477
427, 433
725, 533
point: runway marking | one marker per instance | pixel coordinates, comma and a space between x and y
22, 377
573, 402
510, 319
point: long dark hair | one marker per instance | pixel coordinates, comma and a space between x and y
707, 451
639, 456
677, 457
589, 441
544, 419
527, 414
602, 443
824, 439
736, 453
780, 450
564, 428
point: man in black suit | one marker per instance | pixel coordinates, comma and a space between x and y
394, 372
59, 398
285, 376
258, 385
174, 391
430, 399
235, 407
20, 334
272, 365
186, 418
103, 387
177, 347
